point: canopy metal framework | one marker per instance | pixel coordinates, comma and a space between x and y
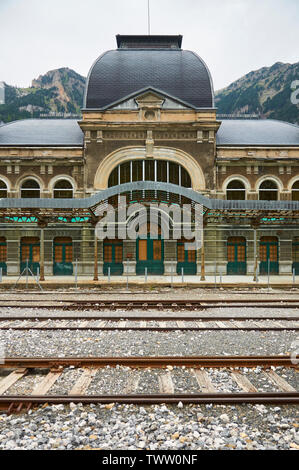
85, 209
45, 211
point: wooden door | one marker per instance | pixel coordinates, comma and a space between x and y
269, 258
236, 256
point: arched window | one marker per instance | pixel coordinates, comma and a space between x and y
3, 189
150, 170
30, 188
235, 191
63, 189
295, 191
268, 191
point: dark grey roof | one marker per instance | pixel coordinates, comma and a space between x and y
257, 132
85, 203
42, 132
146, 41
120, 73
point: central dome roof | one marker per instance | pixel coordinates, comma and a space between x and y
155, 62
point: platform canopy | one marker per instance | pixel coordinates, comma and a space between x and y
85, 209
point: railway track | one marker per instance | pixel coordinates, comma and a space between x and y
70, 304
200, 374
149, 323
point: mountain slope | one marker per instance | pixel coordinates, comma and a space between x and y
265, 92
58, 93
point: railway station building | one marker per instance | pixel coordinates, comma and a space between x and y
149, 133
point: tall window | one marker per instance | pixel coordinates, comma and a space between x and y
3, 189
30, 188
295, 191
63, 189
235, 191
268, 191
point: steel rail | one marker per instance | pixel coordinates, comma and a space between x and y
144, 306
17, 402
150, 361
148, 328
186, 301
161, 301
142, 318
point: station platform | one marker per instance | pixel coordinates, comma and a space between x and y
50, 282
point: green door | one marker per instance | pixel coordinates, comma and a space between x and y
236, 256
63, 256
30, 252
296, 255
113, 257
186, 259
3, 255
269, 255
150, 255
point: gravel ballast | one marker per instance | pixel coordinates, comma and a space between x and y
160, 427
156, 427
145, 343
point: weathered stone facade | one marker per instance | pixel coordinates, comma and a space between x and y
151, 126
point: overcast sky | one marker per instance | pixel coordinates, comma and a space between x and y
232, 36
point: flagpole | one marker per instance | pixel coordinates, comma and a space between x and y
148, 17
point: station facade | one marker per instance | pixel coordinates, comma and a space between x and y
149, 115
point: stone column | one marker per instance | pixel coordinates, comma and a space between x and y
255, 225
202, 257
255, 254
201, 269
86, 259
100, 258
95, 276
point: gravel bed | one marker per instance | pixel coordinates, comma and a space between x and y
223, 381
145, 343
162, 292
289, 375
148, 324
217, 311
259, 379
150, 427
109, 381
184, 381
191, 427
25, 385
149, 381
65, 382
124, 380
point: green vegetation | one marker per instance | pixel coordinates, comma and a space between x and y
265, 92
55, 94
